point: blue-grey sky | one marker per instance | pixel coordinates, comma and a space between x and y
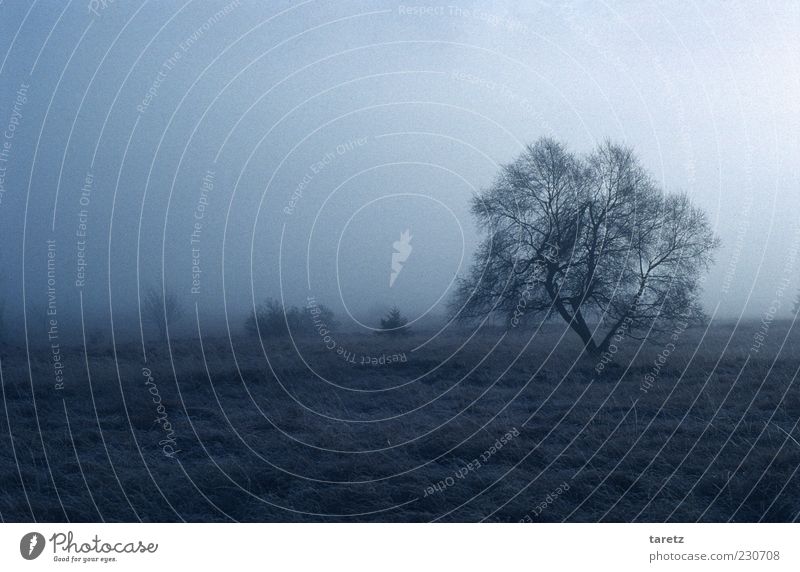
299, 140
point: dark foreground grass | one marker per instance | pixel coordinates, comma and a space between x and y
499, 427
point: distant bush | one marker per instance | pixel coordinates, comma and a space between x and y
272, 319
394, 324
162, 307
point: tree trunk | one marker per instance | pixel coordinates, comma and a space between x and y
578, 324
575, 320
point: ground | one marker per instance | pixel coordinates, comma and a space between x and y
495, 426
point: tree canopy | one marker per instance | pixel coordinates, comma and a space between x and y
590, 239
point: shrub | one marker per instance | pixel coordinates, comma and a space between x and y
272, 319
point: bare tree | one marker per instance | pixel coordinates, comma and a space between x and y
161, 308
592, 240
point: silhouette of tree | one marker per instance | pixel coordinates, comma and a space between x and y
590, 240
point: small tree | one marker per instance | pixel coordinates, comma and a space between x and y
394, 324
162, 307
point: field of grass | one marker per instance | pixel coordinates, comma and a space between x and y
496, 426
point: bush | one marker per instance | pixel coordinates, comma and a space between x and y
272, 319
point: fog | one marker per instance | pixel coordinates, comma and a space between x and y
234, 151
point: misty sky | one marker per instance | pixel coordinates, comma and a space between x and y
304, 138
